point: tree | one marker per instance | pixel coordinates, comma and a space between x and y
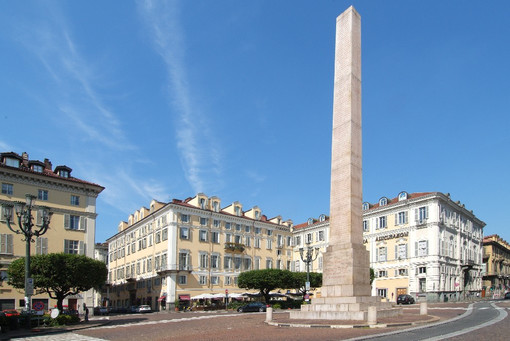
59, 274
372, 276
299, 280
265, 281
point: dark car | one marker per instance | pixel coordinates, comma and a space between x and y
11, 312
507, 296
405, 299
254, 306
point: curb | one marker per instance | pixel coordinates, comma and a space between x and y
351, 326
52, 330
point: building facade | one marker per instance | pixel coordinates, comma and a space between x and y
167, 253
72, 226
496, 259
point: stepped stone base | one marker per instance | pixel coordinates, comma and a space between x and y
345, 308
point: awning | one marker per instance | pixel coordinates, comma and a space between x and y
162, 298
184, 298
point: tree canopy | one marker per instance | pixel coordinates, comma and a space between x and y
59, 274
299, 280
265, 280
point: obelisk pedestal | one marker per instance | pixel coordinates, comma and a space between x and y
345, 294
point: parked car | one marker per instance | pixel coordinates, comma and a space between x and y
405, 299
101, 310
144, 309
254, 306
134, 309
10, 312
507, 296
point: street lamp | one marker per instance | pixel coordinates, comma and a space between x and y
26, 228
308, 257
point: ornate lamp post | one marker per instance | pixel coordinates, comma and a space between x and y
308, 257
26, 228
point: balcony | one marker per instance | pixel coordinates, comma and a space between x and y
171, 268
234, 247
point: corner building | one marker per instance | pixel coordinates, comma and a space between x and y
422, 244
72, 226
496, 259
167, 253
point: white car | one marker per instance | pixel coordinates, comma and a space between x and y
145, 309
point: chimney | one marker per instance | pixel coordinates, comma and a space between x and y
47, 164
25, 159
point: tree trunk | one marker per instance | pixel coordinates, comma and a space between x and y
60, 301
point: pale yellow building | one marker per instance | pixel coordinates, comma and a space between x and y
170, 252
496, 259
72, 226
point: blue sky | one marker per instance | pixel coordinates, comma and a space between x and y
165, 99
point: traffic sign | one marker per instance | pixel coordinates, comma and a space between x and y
38, 305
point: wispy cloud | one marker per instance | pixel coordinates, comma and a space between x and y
76, 78
196, 143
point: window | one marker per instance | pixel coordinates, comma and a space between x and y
269, 263
184, 218
422, 285
216, 223
202, 280
422, 270
6, 246
298, 241
269, 232
215, 237
382, 273
381, 254
74, 222
289, 241
183, 279
401, 251
238, 239
309, 238
247, 264
228, 238
382, 292
74, 247
164, 234
237, 210
402, 196
422, 214
203, 221
402, 272
422, 248
184, 233
215, 280
247, 229
184, 262
257, 243
7, 211
237, 263
257, 263
215, 261
401, 218
257, 230
75, 200
320, 236
202, 235
320, 262
7, 189
41, 246
269, 244
11, 162
216, 206
365, 206
366, 226
228, 226
204, 260
227, 262
227, 280
247, 241
383, 202
202, 203
381, 222
238, 227
42, 195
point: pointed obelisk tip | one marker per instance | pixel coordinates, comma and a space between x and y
350, 9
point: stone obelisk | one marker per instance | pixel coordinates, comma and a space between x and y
345, 294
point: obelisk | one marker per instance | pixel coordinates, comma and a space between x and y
345, 294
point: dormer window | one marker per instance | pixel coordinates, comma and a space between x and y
257, 215
63, 171
216, 206
322, 217
11, 162
202, 203
237, 210
310, 221
365, 206
37, 168
383, 201
402, 196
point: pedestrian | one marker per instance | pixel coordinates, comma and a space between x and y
86, 312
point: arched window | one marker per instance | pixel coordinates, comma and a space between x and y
383, 201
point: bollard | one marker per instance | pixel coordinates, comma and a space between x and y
423, 308
372, 315
269, 314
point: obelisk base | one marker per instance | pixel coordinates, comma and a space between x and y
345, 308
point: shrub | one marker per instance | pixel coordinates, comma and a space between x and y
61, 320
277, 306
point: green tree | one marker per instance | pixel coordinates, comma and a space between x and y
265, 280
299, 280
59, 274
372, 275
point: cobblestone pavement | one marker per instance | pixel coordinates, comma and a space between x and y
250, 326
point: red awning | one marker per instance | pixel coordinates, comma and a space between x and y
184, 298
162, 298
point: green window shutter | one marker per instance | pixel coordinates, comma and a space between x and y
66, 246
9, 244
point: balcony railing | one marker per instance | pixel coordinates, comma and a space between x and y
174, 268
234, 247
